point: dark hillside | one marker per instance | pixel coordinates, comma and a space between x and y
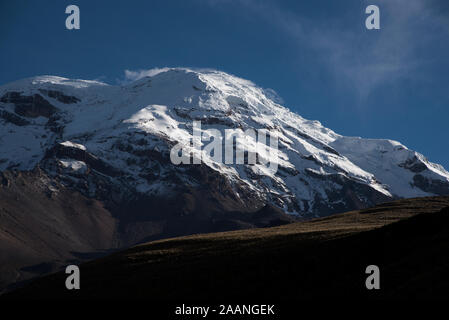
407, 239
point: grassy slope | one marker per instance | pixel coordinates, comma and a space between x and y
407, 239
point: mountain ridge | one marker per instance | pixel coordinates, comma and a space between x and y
315, 163
85, 167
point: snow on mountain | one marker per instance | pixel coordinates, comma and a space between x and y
87, 132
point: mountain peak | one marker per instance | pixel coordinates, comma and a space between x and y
125, 133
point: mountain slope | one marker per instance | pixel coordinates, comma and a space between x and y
407, 239
85, 167
45, 226
87, 133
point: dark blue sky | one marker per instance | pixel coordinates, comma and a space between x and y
389, 83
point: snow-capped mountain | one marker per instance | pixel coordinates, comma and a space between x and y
113, 143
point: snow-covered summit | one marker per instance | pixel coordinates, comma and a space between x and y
125, 133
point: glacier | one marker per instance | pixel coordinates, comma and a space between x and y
86, 133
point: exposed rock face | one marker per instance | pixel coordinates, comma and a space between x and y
431, 185
414, 164
61, 151
4, 180
61, 97
13, 118
29, 106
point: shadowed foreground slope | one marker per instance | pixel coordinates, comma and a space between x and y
45, 226
407, 239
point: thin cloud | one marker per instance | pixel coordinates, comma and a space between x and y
361, 59
131, 75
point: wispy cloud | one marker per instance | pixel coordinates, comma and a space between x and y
369, 59
358, 58
133, 75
